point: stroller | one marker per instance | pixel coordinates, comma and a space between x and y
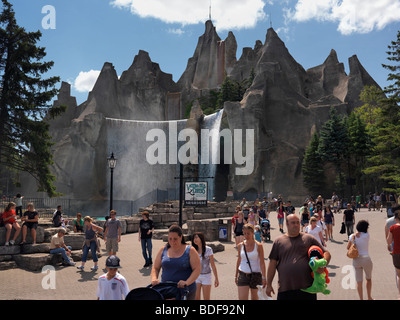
265, 229
161, 291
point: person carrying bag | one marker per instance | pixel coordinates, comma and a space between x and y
352, 252
250, 266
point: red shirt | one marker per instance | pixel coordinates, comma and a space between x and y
395, 230
7, 214
281, 213
234, 219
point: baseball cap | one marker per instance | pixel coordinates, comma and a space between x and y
113, 262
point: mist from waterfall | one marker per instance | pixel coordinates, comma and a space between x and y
213, 123
134, 176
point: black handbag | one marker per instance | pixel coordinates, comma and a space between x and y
343, 228
255, 277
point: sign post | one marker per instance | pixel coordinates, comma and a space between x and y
202, 201
196, 194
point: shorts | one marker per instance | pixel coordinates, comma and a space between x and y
360, 264
244, 279
112, 245
204, 279
280, 220
30, 225
396, 260
304, 222
238, 234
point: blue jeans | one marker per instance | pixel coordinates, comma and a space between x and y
93, 248
147, 247
63, 253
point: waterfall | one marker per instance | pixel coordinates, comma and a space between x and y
209, 168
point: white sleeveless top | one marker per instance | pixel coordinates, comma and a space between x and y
253, 258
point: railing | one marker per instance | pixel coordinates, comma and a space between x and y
93, 208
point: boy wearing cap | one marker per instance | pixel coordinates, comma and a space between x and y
112, 285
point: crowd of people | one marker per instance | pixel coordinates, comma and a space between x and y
191, 266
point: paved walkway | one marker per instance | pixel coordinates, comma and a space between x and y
75, 285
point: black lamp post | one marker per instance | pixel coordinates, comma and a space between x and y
112, 162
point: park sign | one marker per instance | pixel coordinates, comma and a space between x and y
196, 194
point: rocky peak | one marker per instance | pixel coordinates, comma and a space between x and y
358, 78
205, 70
107, 76
275, 51
143, 73
64, 98
230, 52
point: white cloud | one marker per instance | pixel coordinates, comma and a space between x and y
352, 16
226, 14
85, 81
177, 31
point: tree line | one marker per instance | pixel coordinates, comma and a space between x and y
361, 150
230, 90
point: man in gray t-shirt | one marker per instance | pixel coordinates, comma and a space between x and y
112, 234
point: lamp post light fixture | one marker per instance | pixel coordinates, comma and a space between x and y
112, 162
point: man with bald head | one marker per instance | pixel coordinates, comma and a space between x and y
289, 256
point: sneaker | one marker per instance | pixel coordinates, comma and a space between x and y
7, 244
146, 265
80, 267
71, 263
12, 242
94, 268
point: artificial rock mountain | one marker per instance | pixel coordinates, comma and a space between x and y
284, 105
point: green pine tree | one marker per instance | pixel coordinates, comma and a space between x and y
372, 97
385, 161
313, 168
334, 144
229, 91
359, 148
24, 139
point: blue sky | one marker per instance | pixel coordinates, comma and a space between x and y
89, 33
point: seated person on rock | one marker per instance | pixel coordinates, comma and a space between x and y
10, 221
30, 218
57, 245
78, 223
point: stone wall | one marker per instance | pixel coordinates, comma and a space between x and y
165, 214
34, 257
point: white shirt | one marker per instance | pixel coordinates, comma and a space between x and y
114, 289
18, 202
205, 262
314, 232
361, 243
253, 258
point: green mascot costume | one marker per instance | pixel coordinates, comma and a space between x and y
320, 279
